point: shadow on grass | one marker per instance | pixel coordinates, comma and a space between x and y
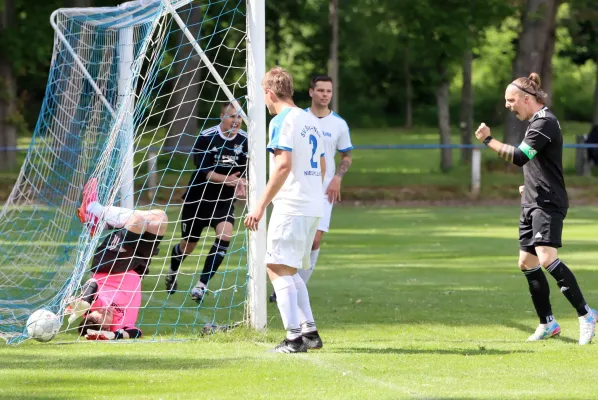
97, 360
481, 351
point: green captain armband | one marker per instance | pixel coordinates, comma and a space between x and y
527, 150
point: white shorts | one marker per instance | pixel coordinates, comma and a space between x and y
325, 220
290, 238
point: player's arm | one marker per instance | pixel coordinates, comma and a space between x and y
344, 147
205, 162
229, 180
333, 191
534, 142
345, 164
283, 162
241, 187
282, 168
281, 146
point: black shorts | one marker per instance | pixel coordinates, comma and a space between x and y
197, 216
122, 251
540, 227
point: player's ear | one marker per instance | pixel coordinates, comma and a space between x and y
311, 92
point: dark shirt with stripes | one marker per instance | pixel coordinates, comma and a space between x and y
214, 151
543, 174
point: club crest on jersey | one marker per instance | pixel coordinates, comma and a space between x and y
238, 149
115, 244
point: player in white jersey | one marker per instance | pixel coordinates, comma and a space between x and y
336, 139
297, 167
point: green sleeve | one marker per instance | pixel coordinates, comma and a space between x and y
527, 150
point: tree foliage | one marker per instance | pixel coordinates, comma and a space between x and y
377, 39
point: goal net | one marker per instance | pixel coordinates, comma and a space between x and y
130, 88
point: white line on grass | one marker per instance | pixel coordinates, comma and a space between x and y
356, 376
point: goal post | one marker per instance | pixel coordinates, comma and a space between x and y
115, 90
256, 69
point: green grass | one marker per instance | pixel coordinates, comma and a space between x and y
412, 303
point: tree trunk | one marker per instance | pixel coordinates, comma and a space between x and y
534, 41
408, 91
8, 98
186, 86
444, 120
546, 72
333, 60
466, 120
595, 117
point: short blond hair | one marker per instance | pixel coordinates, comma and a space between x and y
280, 82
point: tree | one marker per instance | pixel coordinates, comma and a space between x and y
408, 87
333, 61
8, 94
583, 28
187, 86
442, 31
466, 120
535, 48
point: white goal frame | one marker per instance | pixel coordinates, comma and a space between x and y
255, 119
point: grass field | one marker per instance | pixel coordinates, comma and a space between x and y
423, 303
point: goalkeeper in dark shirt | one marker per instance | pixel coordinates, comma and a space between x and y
220, 155
544, 205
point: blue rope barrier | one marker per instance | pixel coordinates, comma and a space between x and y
364, 147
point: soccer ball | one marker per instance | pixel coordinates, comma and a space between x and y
43, 325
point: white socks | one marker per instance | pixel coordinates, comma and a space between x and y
306, 273
286, 299
306, 317
116, 217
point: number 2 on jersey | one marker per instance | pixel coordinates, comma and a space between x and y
314, 146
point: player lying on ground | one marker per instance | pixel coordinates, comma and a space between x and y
110, 300
220, 155
297, 167
544, 204
335, 134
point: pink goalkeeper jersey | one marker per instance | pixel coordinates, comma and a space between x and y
121, 292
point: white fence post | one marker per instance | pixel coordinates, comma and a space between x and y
476, 172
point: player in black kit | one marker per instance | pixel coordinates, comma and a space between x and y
544, 205
220, 155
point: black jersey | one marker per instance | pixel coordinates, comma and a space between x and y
123, 251
213, 151
543, 173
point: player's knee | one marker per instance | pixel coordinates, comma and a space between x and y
226, 237
546, 262
224, 231
546, 255
524, 264
187, 247
160, 220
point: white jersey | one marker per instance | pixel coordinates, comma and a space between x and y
299, 132
336, 138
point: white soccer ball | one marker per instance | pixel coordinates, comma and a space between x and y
43, 325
